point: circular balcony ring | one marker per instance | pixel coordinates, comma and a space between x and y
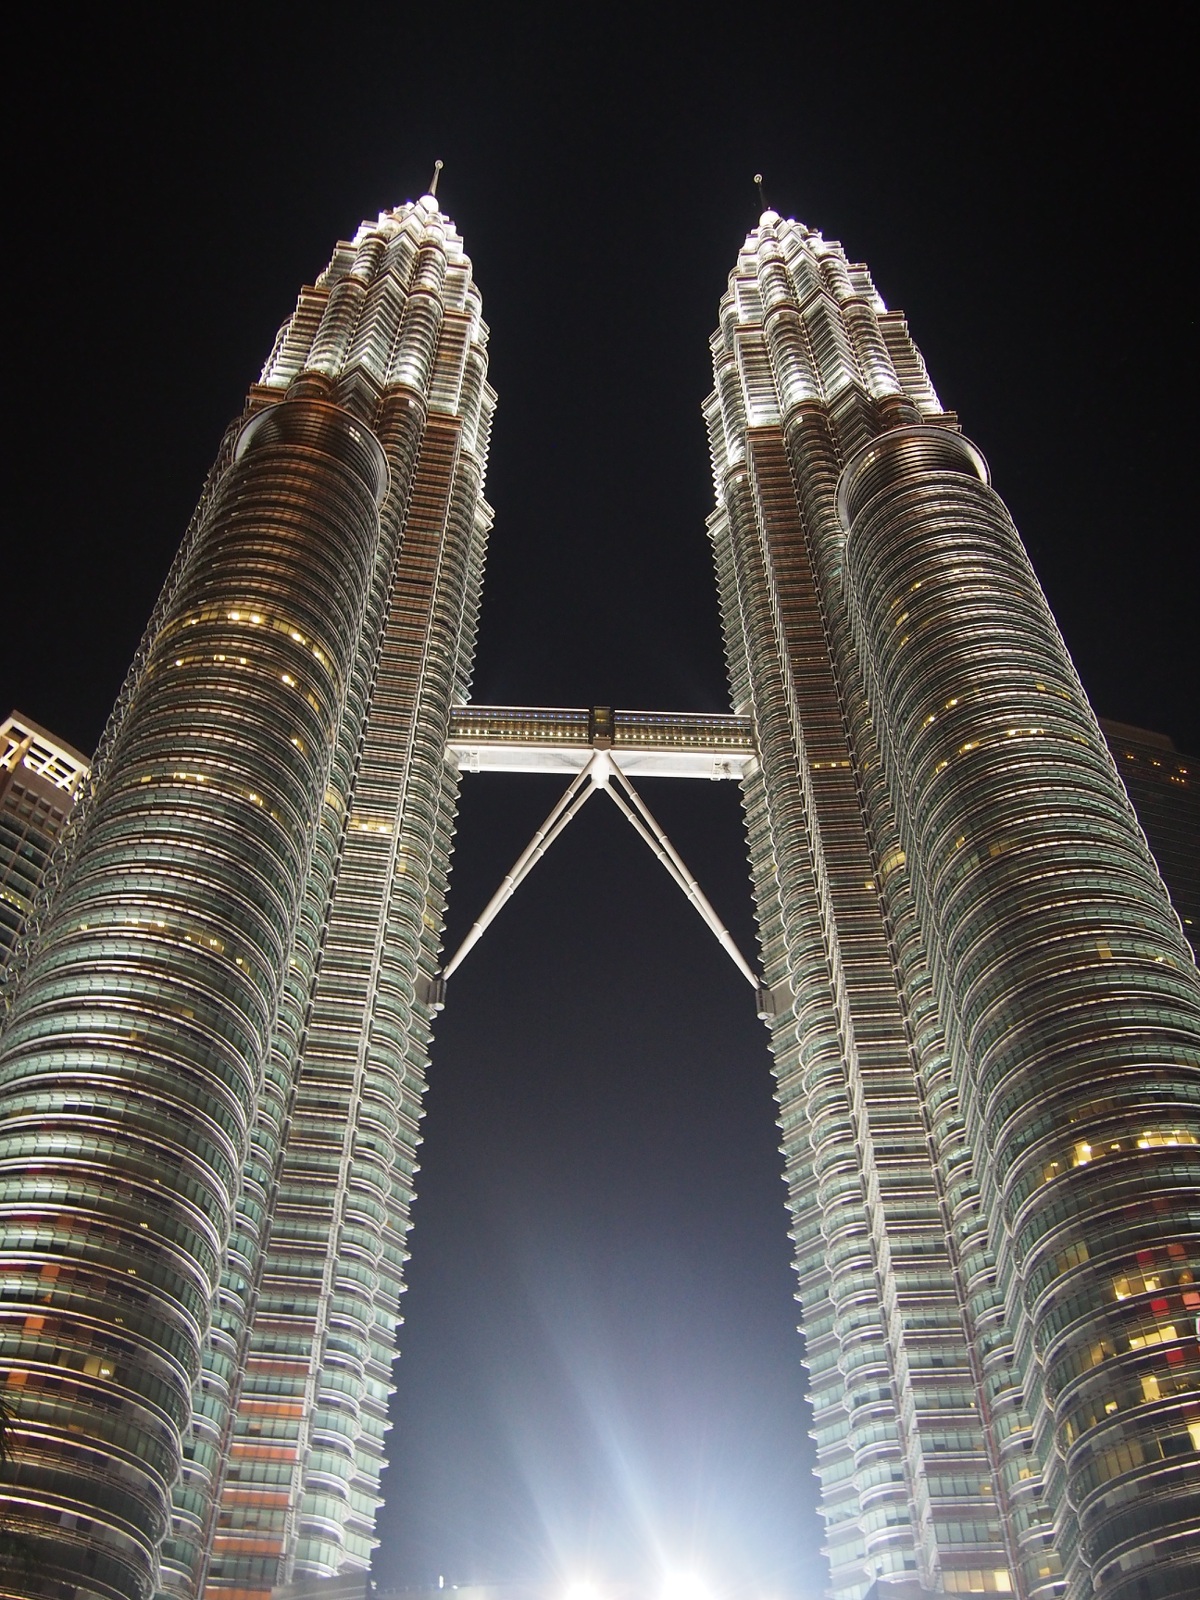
320, 426
903, 453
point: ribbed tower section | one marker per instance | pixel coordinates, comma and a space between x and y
947, 1001
211, 1075
1068, 990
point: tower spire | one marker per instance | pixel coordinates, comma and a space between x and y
433, 182
758, 184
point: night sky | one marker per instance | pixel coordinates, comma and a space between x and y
600, 1365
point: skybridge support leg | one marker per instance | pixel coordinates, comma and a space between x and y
578, 792
648, 828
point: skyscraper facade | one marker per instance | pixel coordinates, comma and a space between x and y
39, 778
214, 1057
986, 1017
1161, 782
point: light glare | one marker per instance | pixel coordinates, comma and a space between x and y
582, 1589
684, 1586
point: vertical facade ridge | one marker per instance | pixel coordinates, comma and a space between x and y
348, 1164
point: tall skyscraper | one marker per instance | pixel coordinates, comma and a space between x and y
984, 1015
1162, 783
205, 1243
39, 777
987, 1020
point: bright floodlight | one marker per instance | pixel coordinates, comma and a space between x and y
684, 1586
582, 1589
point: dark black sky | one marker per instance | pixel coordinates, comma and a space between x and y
599, 1358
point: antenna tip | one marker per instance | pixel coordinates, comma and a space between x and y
758, 177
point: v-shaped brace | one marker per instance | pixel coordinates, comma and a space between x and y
599, 773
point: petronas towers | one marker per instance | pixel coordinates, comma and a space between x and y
984, 1016
214, 1062
986, 1011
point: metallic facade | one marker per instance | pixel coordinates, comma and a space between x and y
984, 1015
39, 778
987, 1019
214, 1055
1161, 782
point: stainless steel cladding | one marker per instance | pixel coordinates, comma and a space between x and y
212, 1069
987, 1020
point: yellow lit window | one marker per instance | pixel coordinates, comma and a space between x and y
894, 858
1164, 1334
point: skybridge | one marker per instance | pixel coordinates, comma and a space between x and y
644, 744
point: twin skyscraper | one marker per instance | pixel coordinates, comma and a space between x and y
984, 1016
